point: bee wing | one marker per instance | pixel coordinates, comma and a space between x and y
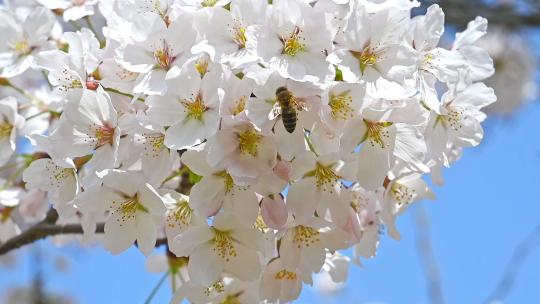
300, 104
275, 112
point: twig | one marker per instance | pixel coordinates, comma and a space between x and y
427, 257
520, 254
156, 288
122, 93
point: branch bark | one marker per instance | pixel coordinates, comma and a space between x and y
47, 228
460, 12
40, 231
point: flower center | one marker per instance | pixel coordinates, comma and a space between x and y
164, 56
325, 177
260, 224
104, 135
58, 174
69, 81
180, 215
402, 194
341, 106
223, 244
22, 47
239, 105
377, 133
293, 45
248, 141
154, 144
427, 59
217, 287
227, 179
5, 129
127, 208
285, 275
305, 236
239, 36
201, 66
367, 58
452, 119
195, 108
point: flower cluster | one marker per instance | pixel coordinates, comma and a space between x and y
256, 139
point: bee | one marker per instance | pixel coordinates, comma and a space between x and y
288, 107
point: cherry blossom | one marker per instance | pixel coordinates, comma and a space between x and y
263, 145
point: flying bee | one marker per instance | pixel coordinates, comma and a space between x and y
288, 107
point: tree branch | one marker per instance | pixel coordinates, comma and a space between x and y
40, 231
48, 228
460, 12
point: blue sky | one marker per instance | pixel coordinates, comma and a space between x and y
489, 204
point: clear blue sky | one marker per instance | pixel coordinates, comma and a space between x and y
489, 204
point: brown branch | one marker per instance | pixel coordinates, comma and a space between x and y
40, 231
48, 228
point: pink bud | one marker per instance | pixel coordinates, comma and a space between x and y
274, 212
283, 170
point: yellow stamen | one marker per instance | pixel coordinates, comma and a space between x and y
402, 194
325, 177
292, 45
223, 244
201, 66
239, 105
164, 57
195, 108
366, 58
305, 236
217, 287
127, 208
5, 129
180, 215
340, 106
248, 141
377, 133
104, 135
239, 36
286, 275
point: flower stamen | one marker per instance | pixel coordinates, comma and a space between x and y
248, 142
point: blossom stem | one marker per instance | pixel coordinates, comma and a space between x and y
156, 288
122, 93
75, 24
36, 115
